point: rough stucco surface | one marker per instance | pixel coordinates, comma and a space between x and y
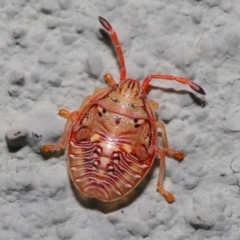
53, 54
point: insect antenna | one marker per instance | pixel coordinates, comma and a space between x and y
114, 38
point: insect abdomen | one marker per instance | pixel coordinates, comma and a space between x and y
111, 155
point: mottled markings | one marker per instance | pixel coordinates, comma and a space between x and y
101, 111
95, 138
95, 163
104, 160
127, 148
111, 168
138, 122
98, 150
115, 156
118, 120
115, 100
131, 105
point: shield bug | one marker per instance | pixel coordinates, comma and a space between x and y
112, 139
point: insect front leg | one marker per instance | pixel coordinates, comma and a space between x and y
71, 117
170, 152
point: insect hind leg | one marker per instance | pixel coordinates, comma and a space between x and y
167, 195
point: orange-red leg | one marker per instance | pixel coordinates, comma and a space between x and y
170, 152
64, 113
192, 85
109, 80
167, 195
114, 38
70, 119
161, 153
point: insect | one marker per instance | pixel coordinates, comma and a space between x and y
111, 140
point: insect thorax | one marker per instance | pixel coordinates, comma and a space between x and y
118, 103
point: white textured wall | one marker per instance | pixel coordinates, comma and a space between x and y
52, 55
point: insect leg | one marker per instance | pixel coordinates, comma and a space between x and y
70, 119
192, 85
168, 196
114, 38
109, 80
64, 113
170, 152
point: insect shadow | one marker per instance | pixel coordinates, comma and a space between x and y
108, 207
197, 100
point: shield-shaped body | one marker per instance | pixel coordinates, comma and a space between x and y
112, 145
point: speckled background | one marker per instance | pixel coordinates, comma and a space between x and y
54, 53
